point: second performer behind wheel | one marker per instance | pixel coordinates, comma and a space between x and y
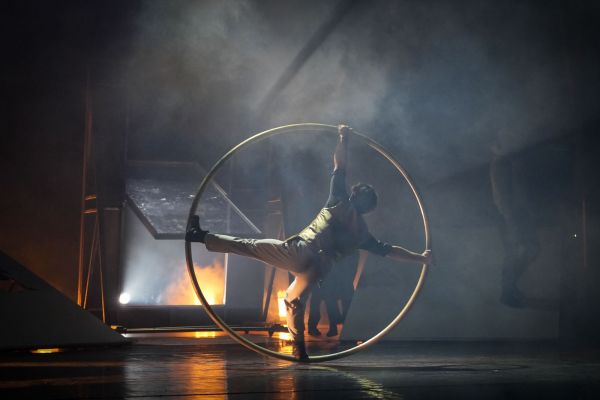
338, 230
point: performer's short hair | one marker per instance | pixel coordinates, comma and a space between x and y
363, 198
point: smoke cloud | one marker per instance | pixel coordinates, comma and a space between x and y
431, 80
443, 85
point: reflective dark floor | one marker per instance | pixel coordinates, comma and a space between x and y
185, 366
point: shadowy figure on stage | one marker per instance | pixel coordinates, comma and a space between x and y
336, 291
517, 225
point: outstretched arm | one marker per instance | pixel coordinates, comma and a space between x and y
337, 187
401, 254
341, 150
395, 252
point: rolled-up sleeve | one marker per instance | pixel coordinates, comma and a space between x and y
375, 246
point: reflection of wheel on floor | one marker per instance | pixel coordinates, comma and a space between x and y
299, 129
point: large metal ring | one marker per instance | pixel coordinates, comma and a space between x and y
305, 127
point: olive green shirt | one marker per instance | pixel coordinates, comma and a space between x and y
338, 229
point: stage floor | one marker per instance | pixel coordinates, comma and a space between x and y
186, 367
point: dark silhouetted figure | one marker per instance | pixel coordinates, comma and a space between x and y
517, 227
336, 291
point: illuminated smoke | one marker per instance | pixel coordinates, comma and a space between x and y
212, 282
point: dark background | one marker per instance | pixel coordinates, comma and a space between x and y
439, 83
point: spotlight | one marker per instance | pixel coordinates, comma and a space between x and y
124, 298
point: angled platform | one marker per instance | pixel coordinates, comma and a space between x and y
36, 315
161, 193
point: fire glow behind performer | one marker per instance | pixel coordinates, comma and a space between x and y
338, 230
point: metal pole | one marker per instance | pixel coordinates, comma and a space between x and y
87, 143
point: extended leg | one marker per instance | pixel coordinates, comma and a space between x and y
271, 251
291, 256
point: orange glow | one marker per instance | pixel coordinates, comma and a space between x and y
205, 334
286, 336
212, 282
46, 351
285, 342
281, 304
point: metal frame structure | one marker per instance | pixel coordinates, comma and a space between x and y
89, 257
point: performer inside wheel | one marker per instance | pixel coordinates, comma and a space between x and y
338, 230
